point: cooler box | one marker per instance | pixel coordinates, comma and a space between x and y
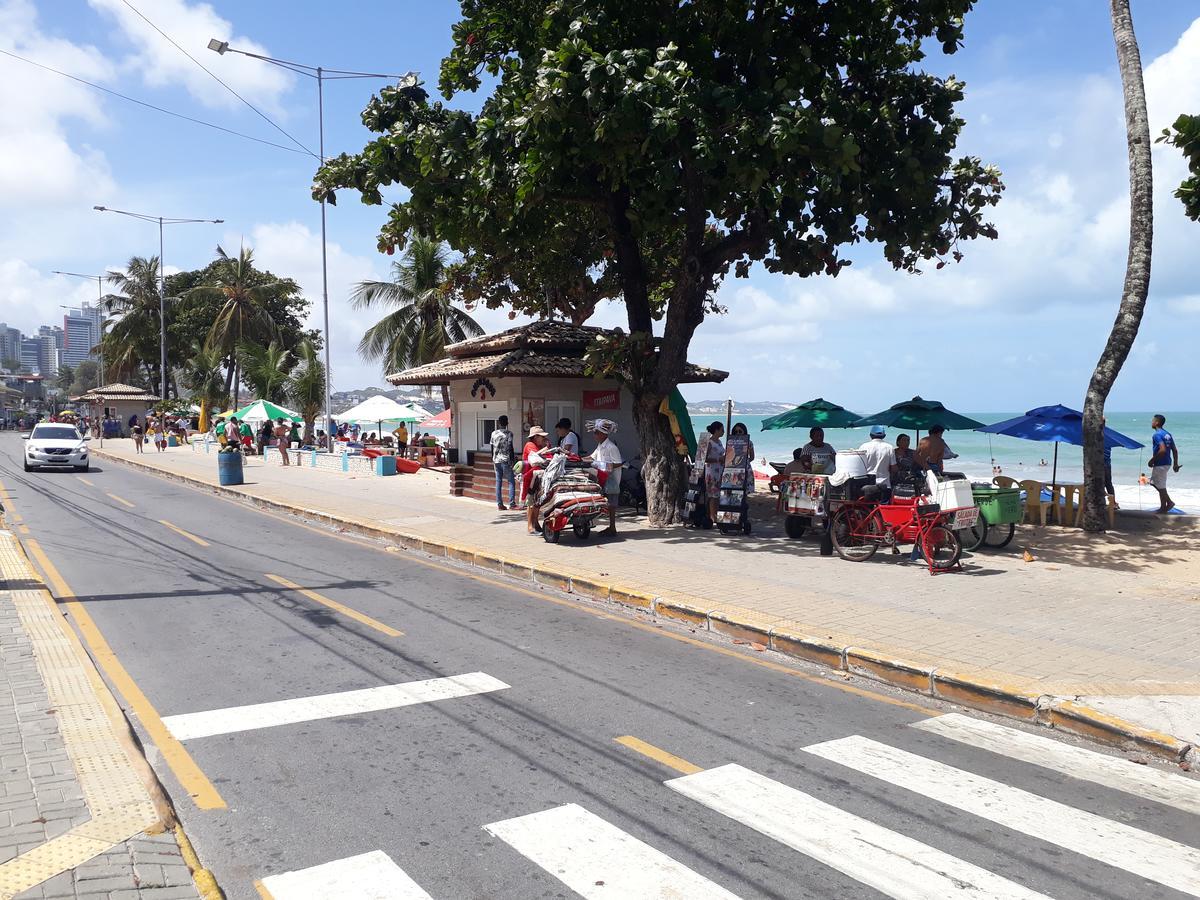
949, 491
851, 488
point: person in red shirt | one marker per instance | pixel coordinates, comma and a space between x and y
533, 446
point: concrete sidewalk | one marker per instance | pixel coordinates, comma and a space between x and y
1097, 635
79, 817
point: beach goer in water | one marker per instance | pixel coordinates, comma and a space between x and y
530, 454
1164, 458
818, 456
607, 458
1142, 479
713, 452
931, 449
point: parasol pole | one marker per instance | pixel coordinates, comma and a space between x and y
1054, 471
728, 416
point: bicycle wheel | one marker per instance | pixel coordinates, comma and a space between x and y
941, 547
853, 534
976, 536
999, 535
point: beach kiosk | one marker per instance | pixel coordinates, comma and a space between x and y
118, 402
534, 374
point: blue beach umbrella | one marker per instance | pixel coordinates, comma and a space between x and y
1059, 424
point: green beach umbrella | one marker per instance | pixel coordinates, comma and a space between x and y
815, 413
260, 410
919, 415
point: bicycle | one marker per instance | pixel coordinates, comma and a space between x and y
859, 527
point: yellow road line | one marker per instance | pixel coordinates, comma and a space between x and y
262, 890
120, 500
187, 534
588, 608
24, 529
194, 781
85, 481
340, 607
9, 513
670, 760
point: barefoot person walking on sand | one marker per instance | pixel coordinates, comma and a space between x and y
1164, 457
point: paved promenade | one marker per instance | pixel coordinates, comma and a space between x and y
1110, 622
76, 816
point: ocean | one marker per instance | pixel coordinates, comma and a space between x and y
1021, 459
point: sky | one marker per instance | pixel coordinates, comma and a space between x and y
1019, 323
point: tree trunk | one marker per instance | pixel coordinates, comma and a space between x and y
237, 385
1137, 266
308, 430
663, 469
229, 367
445, 396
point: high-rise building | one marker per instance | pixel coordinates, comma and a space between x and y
81, 332
31, 351
10, 343
50, 338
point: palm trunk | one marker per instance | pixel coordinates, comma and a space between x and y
229, 367
1137, 266
445, 396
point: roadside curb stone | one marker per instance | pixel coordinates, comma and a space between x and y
878, 664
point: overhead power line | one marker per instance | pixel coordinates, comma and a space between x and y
160, 109
217, 79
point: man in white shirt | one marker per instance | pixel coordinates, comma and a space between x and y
881, 457
607, 458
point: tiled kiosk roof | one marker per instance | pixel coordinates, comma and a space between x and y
544, 349
118, 392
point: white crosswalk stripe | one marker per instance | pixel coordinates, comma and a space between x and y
327, 706
597, 860
369, 876
1077, 762
1150, 856
892, 863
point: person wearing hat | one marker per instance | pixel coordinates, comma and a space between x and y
568, 440
532, 449
607, 458
880, 457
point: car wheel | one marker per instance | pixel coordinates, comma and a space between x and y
28, 467
83, 468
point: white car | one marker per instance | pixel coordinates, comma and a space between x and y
55, 446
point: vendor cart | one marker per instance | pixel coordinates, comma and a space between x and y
733, 506
999, 512
805, 502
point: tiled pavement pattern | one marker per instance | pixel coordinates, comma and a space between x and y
1094, 617
43, 805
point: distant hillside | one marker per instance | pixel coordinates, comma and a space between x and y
748, 408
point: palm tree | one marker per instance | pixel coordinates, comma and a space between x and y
203, 376
1137, 265
243, 315
133, 339
265, 369
424, 320
306, 386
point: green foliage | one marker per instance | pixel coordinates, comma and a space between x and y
203, 376
424, 318
306, 386
131, 343
265, 369
85, 377
1186, 136
64, 378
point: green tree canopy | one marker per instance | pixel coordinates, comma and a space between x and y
1186, 136
667, 144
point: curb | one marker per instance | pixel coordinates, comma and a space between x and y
881, 666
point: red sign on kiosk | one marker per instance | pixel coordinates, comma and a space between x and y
601, 400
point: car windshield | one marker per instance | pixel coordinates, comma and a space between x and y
55, 433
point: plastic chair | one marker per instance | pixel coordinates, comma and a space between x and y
1034, 501
1005, 482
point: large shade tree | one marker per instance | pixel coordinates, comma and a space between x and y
665, 144
131, 344
423, 319
1185, 134
1137, 265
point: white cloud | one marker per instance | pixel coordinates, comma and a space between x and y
1187, 305
191, 25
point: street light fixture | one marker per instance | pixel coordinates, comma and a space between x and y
321, 75
100, 305
162, 279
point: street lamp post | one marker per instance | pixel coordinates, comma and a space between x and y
320, 74
162, 280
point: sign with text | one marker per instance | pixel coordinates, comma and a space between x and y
601, 399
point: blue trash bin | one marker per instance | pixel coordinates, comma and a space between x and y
229, 468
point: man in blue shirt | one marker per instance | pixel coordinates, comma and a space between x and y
1164, 456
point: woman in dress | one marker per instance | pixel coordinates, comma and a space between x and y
712, 452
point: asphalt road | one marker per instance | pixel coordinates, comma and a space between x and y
429, 778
